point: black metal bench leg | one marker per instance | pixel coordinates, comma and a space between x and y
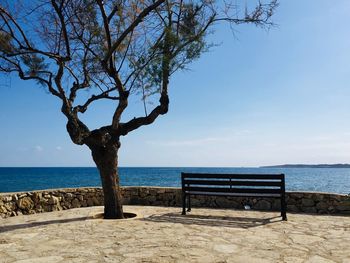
183, 204
283, 200
189, 203
284, 216
283, 209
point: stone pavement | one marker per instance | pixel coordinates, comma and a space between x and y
161, 234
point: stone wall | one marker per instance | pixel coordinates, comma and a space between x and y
12, 204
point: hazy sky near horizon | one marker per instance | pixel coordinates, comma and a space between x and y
260, 98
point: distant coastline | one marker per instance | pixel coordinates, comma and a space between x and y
338, 165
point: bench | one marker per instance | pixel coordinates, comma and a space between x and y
237, 185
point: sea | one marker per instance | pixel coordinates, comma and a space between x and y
331, 180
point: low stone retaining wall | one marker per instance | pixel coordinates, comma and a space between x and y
13, 204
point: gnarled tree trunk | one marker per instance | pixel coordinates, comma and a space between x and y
106, 159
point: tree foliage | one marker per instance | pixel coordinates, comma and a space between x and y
113, 48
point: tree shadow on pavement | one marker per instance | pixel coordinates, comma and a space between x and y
8, 228
208, 220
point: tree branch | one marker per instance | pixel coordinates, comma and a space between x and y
107, 30
63, 26
104, 95
2, 10
114, 10
163, 106
135, 123
134, 24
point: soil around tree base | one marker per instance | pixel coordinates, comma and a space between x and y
127, 215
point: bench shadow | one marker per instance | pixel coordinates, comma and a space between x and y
8, 228
207, 220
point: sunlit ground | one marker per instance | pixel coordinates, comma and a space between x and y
161, 234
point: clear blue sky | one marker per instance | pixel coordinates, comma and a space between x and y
259, 98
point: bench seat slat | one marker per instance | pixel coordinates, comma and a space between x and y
227, 182
232, 190
235, 194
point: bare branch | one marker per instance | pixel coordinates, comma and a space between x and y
134, 24
3, 11
104, 95
58, 10
107, 31
34, 76
114, 10
136, 123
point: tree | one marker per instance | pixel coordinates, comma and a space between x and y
115, 50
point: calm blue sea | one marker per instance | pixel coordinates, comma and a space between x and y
335, 180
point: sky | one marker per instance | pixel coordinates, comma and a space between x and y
261, 97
